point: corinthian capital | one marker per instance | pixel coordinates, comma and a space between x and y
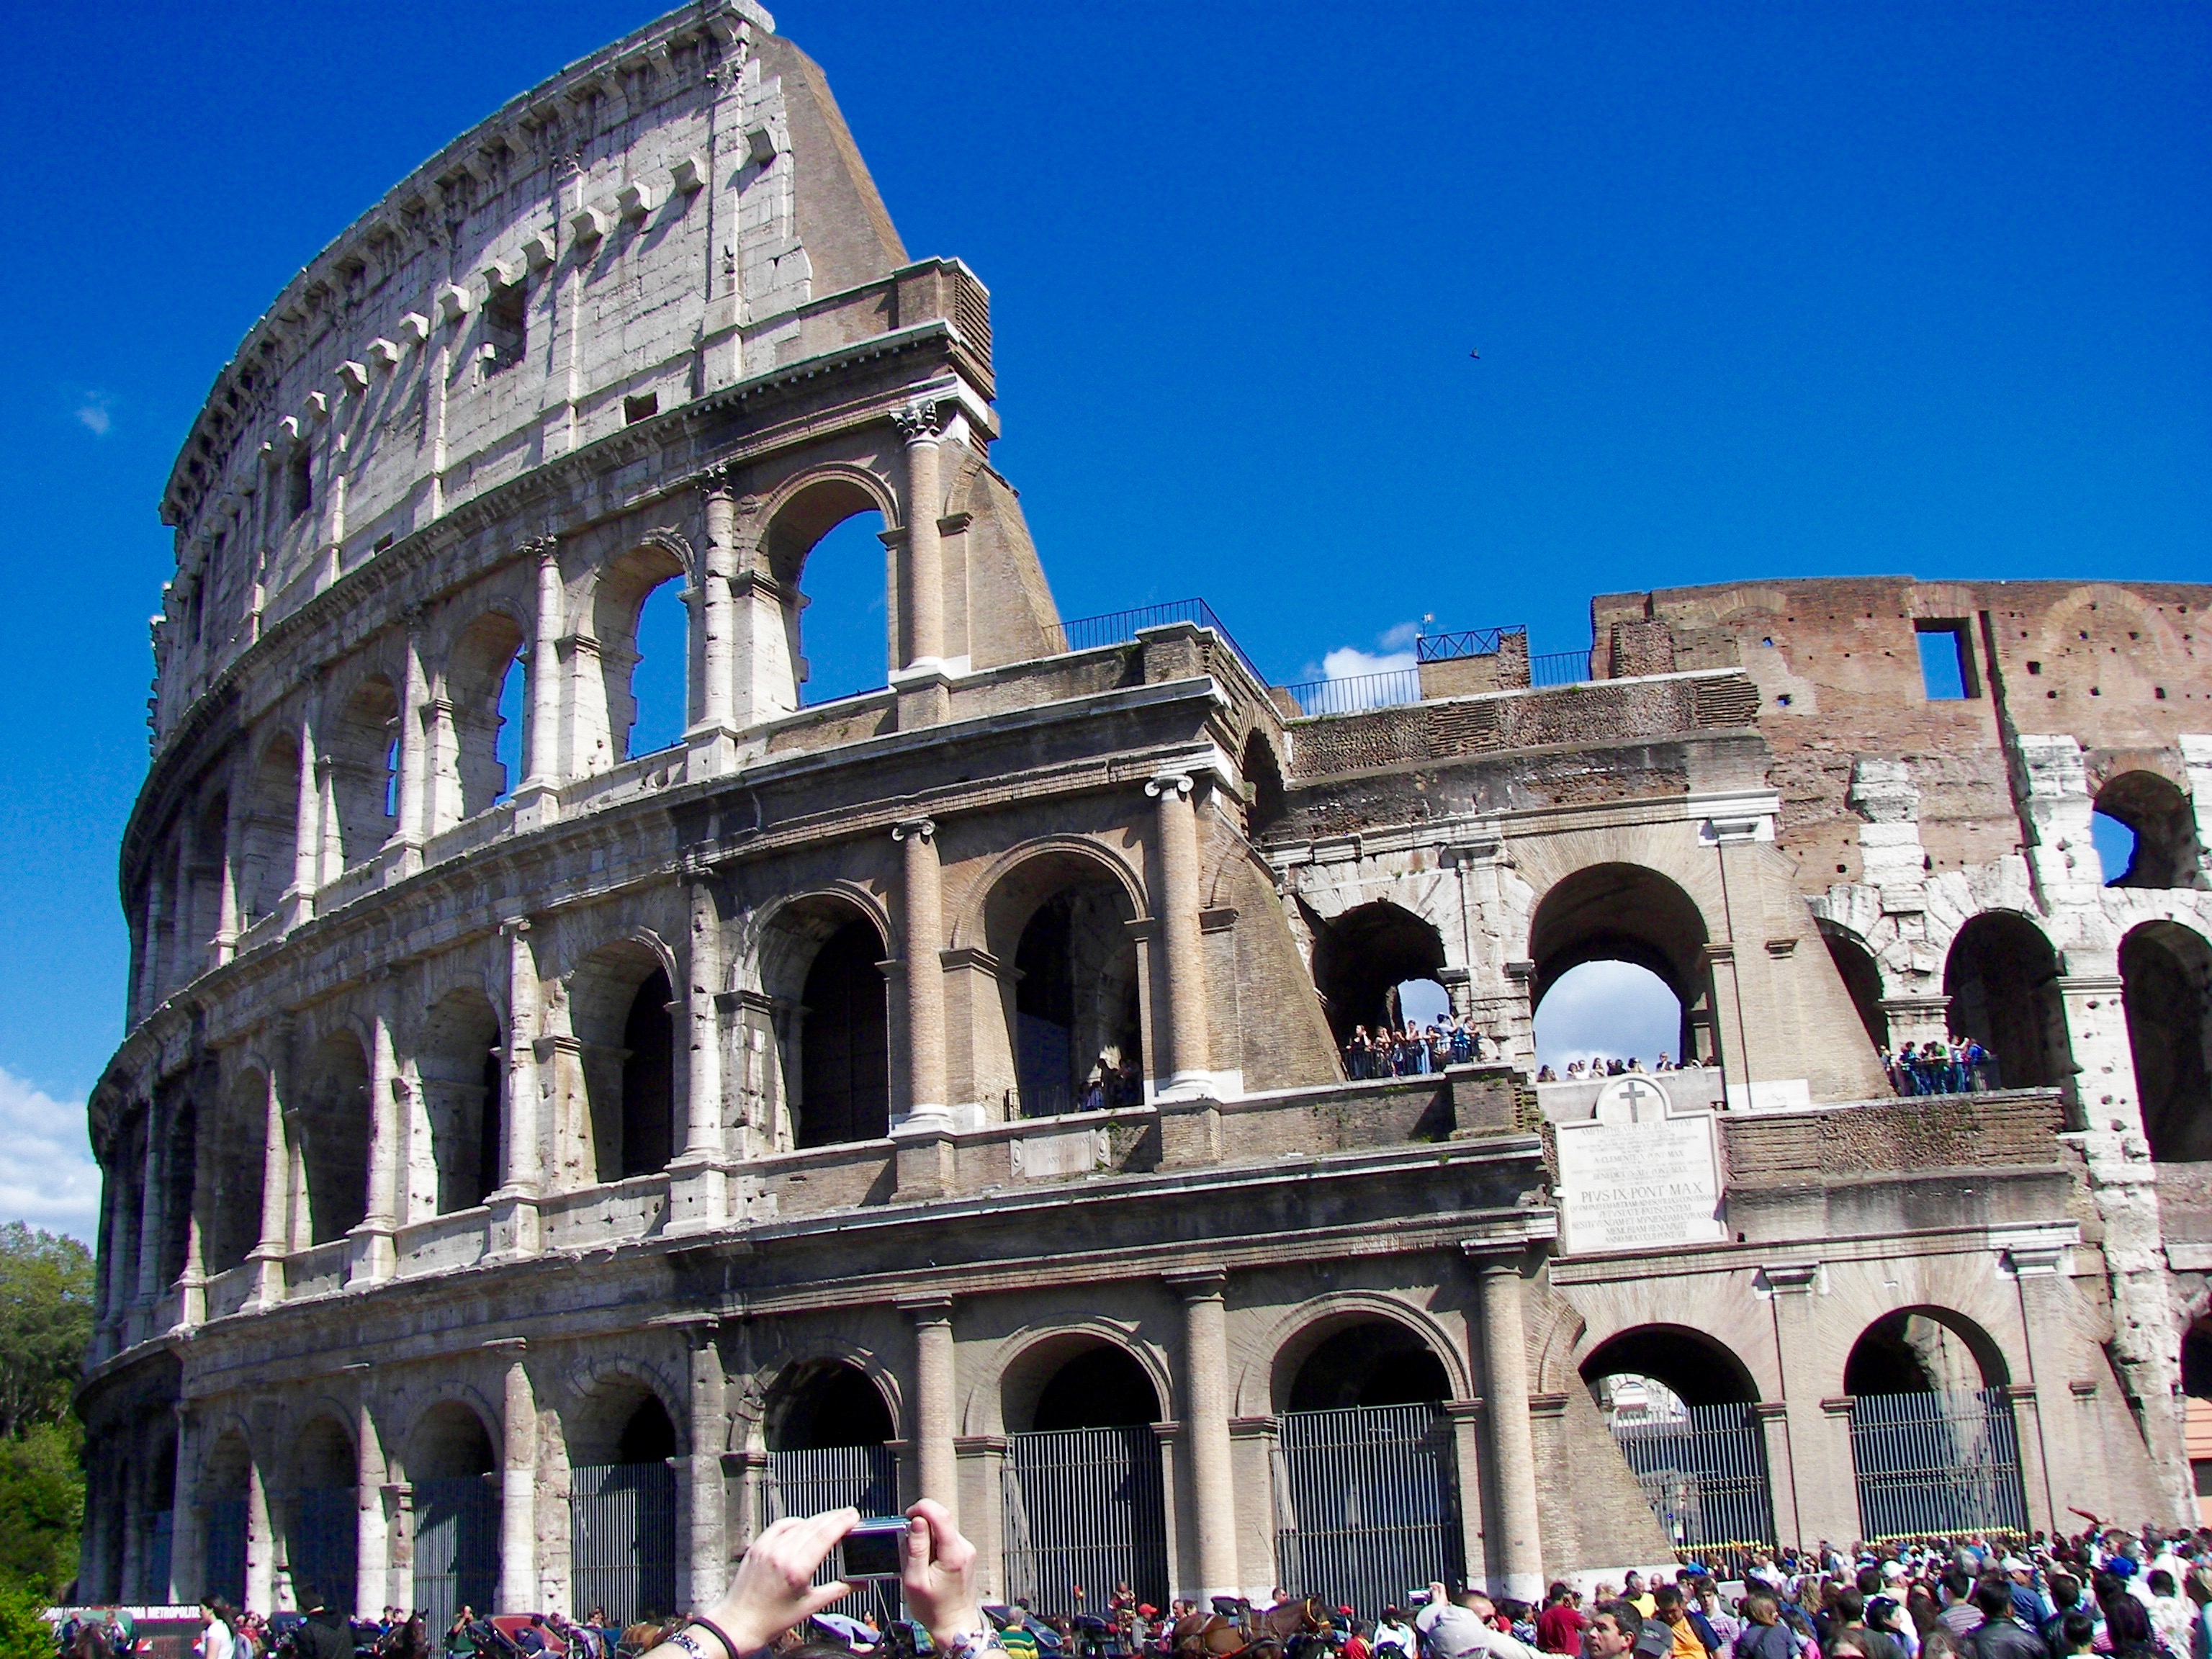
923, 420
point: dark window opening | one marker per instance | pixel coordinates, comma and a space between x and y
1101, 1388
642, 407
844, 1091
299, 484
648, 1082
648, 1436
1947, 661
505, 326
1377, 1364
831, 1404
1077, 1045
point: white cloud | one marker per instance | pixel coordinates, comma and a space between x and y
1611, 1009
1349, 662
1399, 638
94, 414
47, 1175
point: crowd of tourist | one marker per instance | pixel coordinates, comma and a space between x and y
1962, 1065
1598, 1066
1412, 1050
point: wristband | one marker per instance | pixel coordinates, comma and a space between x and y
715, 1630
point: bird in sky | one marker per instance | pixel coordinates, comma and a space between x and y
1475, 354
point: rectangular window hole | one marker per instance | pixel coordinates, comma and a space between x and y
1947, 660
505, 326
642, 407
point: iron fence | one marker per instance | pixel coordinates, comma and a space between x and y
158, 1558
1120, 627
1085, 1508
225, 1567
1937, 1463
622, 1539
1559, 668
1367, 1502
456, 1547
326, 1531
1705, 1476
1356, 693
1472, 642
866, 1478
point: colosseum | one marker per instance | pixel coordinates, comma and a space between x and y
532, 1163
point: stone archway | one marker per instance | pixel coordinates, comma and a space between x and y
2165, 970
1933, 1439
2002, 976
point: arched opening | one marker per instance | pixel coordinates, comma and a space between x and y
1369, 1499
2161, 824
622, 1505
2166, 973
649, 703
361, 744
844, 1088
451, 1463
462, 1066
1680, 1408
324, 1517
1861, 977
476, 683
514, 712
333, 1127
1598, 1014
230, 1206
619, 1007
826, 549
2196, 1401
222, 1495
1072, 1005
827, 1426
1361, 958
1933, 1439
1265, 804
272, 828
156, 1581
2002, 976
1084, 1498
200, 906
1625, 916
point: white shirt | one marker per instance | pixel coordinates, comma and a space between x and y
1400, 1634
214, 1641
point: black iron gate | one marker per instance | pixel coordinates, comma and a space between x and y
226, 1551
1703, 1469
864, 1478
456, 1547
1084, 1507
1367, 1504
1937, 1463
622, 1539
326, 1531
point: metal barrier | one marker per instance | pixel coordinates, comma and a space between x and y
864, 1478
1937, 1463
1357, 693
1471, 642
456, 1548
1085, 1508
1704, 1473
225, 1565
1367, 1504
1121, 627
622, 1539
154, 1564
326, 1531
1559, 668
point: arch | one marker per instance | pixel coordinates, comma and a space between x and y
2002, 976
822, 1402
230, 1205
1924, 1350
1265, 802
1861, 977
1270, 1385
273, 819
830, 1028
225, 1473
333, 1127
475, 677
362, 742
451, 1449
619, 1001
199, 906
831, 572
619, 597
461, 1066
1001, 899
451, 1439
2165, 825
2166, 976
1619, 912
1690, 1364
1360, 958
1030, 1359
322, 1525
625, 1416
323, 1455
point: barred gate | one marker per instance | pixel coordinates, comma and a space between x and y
622, 1539
158, 1591
1705, 1476
226, 1551
326, 1531
456, 1547
1084, 1507
866, 1478
1367, 1504
1937, 1463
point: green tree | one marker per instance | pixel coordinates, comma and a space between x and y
45, 1324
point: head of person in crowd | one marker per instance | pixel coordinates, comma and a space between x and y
1614, 1628
1993, 1596
2076, 1633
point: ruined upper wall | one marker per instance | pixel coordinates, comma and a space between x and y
2124, 668
656, 221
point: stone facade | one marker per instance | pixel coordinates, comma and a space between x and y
507, 1114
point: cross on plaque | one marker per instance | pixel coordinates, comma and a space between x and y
1636, 1094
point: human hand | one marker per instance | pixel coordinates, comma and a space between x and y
1437, 1595
938, 1575
775, 1588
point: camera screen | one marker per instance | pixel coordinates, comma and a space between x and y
872, 1554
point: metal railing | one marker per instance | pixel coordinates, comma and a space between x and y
819, 1478
1558, 668
1367, 1504
1704, 1473
1471, 642
1357, 693
223, 1569
324, 1535
1121, 627
456, 1547
621, 1540
1929, 1463
1084, 1507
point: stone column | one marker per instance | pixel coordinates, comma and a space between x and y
269, 1250
1520, 1555
514, 1205
260, 1540
922, 584
697, 1187
923, 926
1206, 1418
410, 828
185, 1569
717, 625
936, 1459
306, 831
2036, 1270
191, 958
518, 1492
153, 960
371, 1256
706, 1560
236, 812
1188, 1066
372, 1533
1826, 1496
152, 1210
114, 1257
542, 738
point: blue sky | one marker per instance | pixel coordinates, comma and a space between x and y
1756, 289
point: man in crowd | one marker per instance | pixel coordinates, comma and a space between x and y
1559, 1628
